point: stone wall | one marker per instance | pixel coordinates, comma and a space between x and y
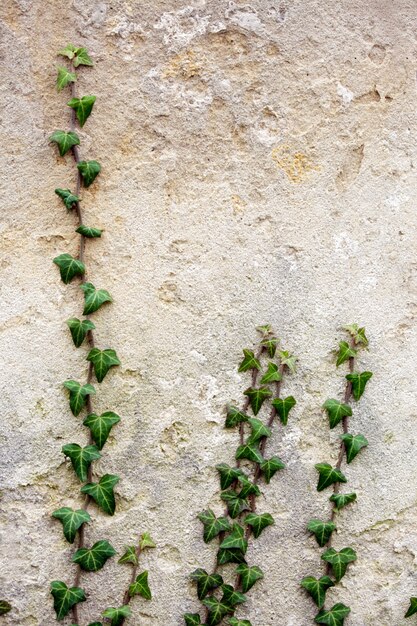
258, 166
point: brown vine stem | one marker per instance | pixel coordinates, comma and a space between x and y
345, 426
90, 339
127, 597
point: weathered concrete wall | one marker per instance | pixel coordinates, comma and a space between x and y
258, 166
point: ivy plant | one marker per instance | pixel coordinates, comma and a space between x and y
338, 412
240, 521
97, 489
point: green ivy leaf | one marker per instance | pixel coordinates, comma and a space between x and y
71, 521
67, 197
100, 426
230, 556
265, 329
228, 475
317, 588
146, 541
342, 499
79, 329
289, 360
129, 556
192, 619
270, 345
339, 560
345, 353
117, 615
64, 78
82, 107
334, 616
236, 539
88, 231
78, 395
89, 170
321, 530
269, 467
92, 559
235, 503
5, 607
82, 57
272, 374
283, 407
358, 380
94, 298
232, 597
65, 141
239, 622
358, 334
213, 525
336, 411
65, 598
248, 488
249, 575
259, 430
69, 51
69, 267
81, 458
250, 362
259, 522
217, 610
249, 451
234, 417
141, 587
353, 445
257, 397
102, 492
412, 609
328, 475
205, 582
102, 361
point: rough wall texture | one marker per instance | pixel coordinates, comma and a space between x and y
258, 165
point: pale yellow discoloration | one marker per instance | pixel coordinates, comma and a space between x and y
296, 164
184, 65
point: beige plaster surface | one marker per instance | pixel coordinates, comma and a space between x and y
259, 165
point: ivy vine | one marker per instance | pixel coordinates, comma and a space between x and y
240, 485
338, 412
97, 489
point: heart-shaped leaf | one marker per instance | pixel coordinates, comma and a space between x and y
288, 359
257, 397
234, 417
249, 575
130, 555
81, 458
67, 197
78, 395
353, 445
140, 586
270, 345
249, 362
249, 451
71, 521
82, 107
334, 616
79, 329
102, 361
88, 231
146, 541
64, 78
65, 597
328, 475
358, 334
92, 559
271, 466
259, 522
100, 426
412, 609
358, 381
272, 374
65, 141
317, 588
89, 170
235, 503
236, 539
5, 607
228, 475
205, 582
336, 411
342, 499
102, 492
117, 615
69, 267
192, 619
94, 298
283, 406
259, 430
321, 530
339, 560
345, 353
213, 525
